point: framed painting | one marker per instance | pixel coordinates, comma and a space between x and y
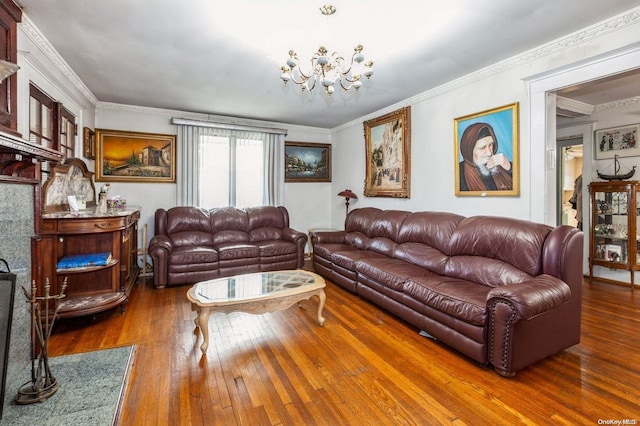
388, 155
486, 154
89, 143
135, 157
307, 162
617, 141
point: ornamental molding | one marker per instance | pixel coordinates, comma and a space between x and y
30, 30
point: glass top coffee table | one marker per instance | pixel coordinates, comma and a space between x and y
256, 293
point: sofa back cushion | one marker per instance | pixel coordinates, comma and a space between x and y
265, 223
495, 250
229, 225
424, 239
357, 226
188, 226
384, 229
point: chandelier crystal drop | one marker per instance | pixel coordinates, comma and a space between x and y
328, 70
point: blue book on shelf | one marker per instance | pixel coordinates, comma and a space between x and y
84, 260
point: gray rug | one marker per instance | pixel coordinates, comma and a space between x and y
91, 389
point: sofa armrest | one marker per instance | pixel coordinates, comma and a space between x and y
160, 247
328, 237
299, 239
534, 297
523, 322
161, 242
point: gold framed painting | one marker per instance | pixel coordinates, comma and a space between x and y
388, 155
486, 154
123, 156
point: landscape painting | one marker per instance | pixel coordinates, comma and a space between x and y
135, 157
307, 162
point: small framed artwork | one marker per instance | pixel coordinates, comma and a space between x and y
89, 143
307, 162
123, 156
388, 155
617, 141
486, 156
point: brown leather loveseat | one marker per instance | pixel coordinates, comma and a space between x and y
502, 291
193, 244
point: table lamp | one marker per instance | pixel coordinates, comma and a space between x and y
347, 194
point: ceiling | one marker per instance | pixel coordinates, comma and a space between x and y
224, 58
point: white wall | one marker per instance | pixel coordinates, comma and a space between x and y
307, 203
432, 178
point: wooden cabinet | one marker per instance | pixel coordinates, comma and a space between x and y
96, 288
614, 255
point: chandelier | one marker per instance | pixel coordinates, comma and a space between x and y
328, 70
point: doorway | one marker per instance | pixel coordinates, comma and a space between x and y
570, 161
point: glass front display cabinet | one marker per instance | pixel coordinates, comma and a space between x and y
613, 249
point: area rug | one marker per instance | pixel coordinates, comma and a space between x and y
92, 386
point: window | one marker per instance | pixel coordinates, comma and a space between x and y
223, 165
50, 125
231, 172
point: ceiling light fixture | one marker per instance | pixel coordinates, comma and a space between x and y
327, 70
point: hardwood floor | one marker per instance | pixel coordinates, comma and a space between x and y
363, 367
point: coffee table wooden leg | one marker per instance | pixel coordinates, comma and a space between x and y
203, 322
322, 298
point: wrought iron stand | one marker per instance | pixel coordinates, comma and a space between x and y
42, 385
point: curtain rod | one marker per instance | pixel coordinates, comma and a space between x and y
228, 126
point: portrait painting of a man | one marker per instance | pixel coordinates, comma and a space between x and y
486, 152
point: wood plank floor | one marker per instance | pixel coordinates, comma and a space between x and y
363, 367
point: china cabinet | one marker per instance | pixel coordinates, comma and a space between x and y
614, 238
88, 231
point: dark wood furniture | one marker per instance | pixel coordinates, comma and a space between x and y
614, 255
91, 230
90, 289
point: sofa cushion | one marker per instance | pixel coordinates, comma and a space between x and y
229, 236
265, 234
433, 229
516, 242
347, 259
422, 255
458, 298
390, 272
357, 240
486, 271
228, 218
230, 251
265, 217
326, 250
276, 248
190, 255
188, 227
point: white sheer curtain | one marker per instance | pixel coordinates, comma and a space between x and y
190, 137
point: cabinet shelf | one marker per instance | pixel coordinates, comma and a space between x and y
90, 289
84, 269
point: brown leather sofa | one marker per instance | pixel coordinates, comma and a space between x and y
193, 244
501, 291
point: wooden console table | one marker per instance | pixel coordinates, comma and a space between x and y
97, 288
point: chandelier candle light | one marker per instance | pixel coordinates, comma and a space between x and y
328, 69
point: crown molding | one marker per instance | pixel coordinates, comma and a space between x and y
37, 38
617, 104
